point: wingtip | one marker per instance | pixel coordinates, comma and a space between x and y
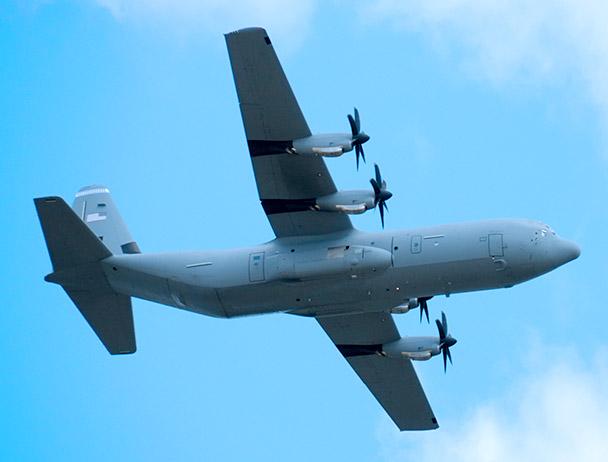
246, 30
131, 349
38, 200
42, 203
432, 426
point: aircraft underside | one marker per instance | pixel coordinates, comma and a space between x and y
260, 283
319, 265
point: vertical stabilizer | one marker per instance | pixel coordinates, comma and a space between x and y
94, 205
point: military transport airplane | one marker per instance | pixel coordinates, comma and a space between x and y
350, 281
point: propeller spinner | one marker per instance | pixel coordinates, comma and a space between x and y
358, 137
445, 340
381, 194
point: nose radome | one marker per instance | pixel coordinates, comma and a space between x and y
568, 251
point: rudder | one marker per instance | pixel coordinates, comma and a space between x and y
94, 205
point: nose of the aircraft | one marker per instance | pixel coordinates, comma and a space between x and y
567, 251
553, 253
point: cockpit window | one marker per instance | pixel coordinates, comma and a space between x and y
541, 233
549, 229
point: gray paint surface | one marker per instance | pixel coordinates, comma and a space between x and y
317, 266
271, 112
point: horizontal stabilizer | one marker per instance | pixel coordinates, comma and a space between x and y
111, 317
76, 253
69, 240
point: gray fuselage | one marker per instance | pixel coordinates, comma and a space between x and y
346, 273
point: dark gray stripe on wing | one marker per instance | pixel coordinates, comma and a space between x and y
274, 206
359, 350
268, 148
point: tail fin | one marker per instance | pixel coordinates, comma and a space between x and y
96, 208
76, 252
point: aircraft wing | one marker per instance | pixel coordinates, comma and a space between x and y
393, 382
287, 183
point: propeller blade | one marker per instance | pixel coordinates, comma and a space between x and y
441, 331
376, 187
381, 194
353, 126
378, 175
424, 308
358, 137
359, 152
445, 339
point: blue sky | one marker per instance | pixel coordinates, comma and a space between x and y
475, 109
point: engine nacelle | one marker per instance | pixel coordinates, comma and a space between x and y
349, 202
326, 145
409, 304
416, 348
421, 356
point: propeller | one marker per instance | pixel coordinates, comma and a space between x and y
445, 340
381, 194
424, 307
359, 137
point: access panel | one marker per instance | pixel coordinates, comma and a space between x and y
256, 267
495, 245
